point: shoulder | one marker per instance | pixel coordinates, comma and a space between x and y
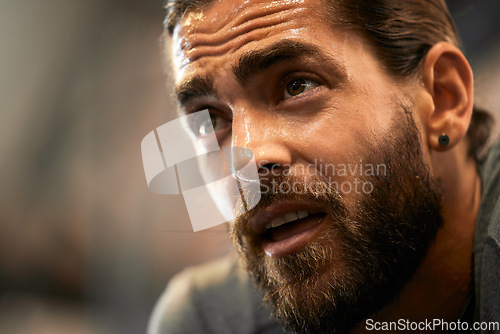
489, 212
487, 239
217, 297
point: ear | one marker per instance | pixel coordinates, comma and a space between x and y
448, 78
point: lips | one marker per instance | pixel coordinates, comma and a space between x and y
287, 227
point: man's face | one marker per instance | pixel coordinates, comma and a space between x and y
338, 153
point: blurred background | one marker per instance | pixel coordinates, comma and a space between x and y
84, 246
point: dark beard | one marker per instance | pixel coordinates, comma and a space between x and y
361, 262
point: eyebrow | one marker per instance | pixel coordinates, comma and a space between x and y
255, 61
196, 86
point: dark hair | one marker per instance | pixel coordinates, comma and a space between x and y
401, 32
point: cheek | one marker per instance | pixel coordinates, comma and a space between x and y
330, 140
339, 135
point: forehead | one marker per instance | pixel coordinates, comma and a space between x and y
225, 29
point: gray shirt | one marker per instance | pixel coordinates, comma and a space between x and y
487, 242
219, 297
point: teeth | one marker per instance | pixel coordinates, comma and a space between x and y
289, 217
277, 221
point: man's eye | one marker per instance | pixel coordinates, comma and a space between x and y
298, 86
216, 123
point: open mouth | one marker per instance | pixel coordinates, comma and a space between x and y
291, 232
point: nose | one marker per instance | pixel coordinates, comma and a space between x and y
266, 137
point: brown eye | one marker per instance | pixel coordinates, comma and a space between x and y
216, 123
298, 86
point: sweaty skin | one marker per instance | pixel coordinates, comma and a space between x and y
349, 103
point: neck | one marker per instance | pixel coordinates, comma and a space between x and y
441, 286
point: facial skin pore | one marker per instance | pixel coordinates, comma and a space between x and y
345, 103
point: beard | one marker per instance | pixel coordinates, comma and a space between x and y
369, 252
